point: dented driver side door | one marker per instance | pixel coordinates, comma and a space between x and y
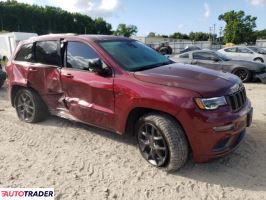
89, 97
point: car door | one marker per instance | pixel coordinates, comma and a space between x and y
245, 54
89, 96
232, 53
207, 59
42, 63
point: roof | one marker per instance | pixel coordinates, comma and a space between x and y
71, 35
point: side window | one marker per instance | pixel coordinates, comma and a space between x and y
79, 54
25, 53
231, 50
243, 50
46, 53
204, 56
184, 55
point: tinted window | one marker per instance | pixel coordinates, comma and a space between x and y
79, 54
133, 55
243, 50
204, 56
230, 50
184, 55
46, 53
25, 53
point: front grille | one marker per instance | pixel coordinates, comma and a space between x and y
237, 100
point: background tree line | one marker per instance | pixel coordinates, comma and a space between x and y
21, 17
239, 28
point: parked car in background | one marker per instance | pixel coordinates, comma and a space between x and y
122, 85
257, 49
243, 53
190, 48
245, 70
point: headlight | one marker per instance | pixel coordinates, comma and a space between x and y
210, 103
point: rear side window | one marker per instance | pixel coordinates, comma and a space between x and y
184, 55
201, 56
25, 53
233, 50
243, 50
46, 53
79, 54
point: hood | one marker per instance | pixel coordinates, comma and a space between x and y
251, 65
206, 82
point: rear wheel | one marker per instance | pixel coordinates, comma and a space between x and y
162, 142
29, 106
244, 74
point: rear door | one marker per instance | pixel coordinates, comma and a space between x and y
44, 72
207, 59
89, 96
232, 53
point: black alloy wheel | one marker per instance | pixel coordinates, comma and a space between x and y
152, 145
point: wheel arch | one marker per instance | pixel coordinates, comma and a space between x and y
16, 88
137, 112
259, 58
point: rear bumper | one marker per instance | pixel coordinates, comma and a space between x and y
216, 134
261, 77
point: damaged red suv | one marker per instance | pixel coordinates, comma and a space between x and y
122, 85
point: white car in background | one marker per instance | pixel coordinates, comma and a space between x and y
243, 53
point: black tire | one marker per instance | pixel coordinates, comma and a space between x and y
259, 60
244, 74
2, 81
2, 78
29, 106
168, 133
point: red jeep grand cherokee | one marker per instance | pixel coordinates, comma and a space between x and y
122, 85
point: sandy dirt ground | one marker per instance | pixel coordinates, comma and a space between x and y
83, 162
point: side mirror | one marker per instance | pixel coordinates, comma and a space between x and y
96, 65
215, 59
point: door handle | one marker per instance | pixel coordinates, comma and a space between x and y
68, 75
194, 62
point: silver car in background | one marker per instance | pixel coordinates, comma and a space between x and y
243, 53
245, 70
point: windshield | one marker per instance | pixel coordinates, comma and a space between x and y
222, 56
133, 55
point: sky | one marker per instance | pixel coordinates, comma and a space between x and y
162, 16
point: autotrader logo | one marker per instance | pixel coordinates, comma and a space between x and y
26, 193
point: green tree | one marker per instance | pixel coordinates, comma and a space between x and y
239, 27
126, 30
199, 36
102, 27
43, 20
179, 35
261, 34
152, 34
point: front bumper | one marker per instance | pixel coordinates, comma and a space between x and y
261, 77
207, 143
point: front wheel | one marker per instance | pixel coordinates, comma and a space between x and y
29, 106
244, 74
162, 142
